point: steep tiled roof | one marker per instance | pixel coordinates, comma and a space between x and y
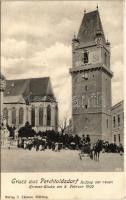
14, 99
91, 24
16, 87
29, 88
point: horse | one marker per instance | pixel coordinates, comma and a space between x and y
97, 148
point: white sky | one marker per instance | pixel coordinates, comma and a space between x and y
36, 42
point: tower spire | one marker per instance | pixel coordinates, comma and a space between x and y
91, 21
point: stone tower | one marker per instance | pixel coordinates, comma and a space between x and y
91, 80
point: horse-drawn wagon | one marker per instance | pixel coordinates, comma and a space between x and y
86, 150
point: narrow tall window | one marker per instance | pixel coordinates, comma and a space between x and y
86, 87
41, 116
107, 123
13, 115
49, 115
21, 115
114, 122
118, 120
33, 116
56, 116
85, 57
5, 114
105, 58
115, 138
119, 137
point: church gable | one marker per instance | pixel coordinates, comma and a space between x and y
41, 88
38, 86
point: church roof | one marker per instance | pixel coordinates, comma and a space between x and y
91, 24
16, 87
14, 99
33, 88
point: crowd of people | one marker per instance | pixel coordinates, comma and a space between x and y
50, 139
28, 138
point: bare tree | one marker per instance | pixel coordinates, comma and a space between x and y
63, 125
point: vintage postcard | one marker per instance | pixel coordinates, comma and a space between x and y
62, 100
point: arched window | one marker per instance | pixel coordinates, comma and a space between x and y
5, 114
21, 115
41, 116
85, 57
13, 115
115, 138
114, 121
118, 120
33, 116
49, 115
107, 123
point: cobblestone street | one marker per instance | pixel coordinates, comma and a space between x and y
19, 160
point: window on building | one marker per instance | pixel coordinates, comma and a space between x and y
49, 115
118, 120
5, 114
56, 115
119, 137
86, 76
13, 115
115, 138
123, 116
105, 58
33, 116
85, 57
107, 123
86, 88
114, 122
41, 116
21, 115
86, 106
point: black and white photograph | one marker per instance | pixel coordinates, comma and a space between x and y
61, 86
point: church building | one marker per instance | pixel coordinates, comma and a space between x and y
91, 80
30, 100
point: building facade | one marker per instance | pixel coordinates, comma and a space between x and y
30, 100
91, 80
2, 89
118, 123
